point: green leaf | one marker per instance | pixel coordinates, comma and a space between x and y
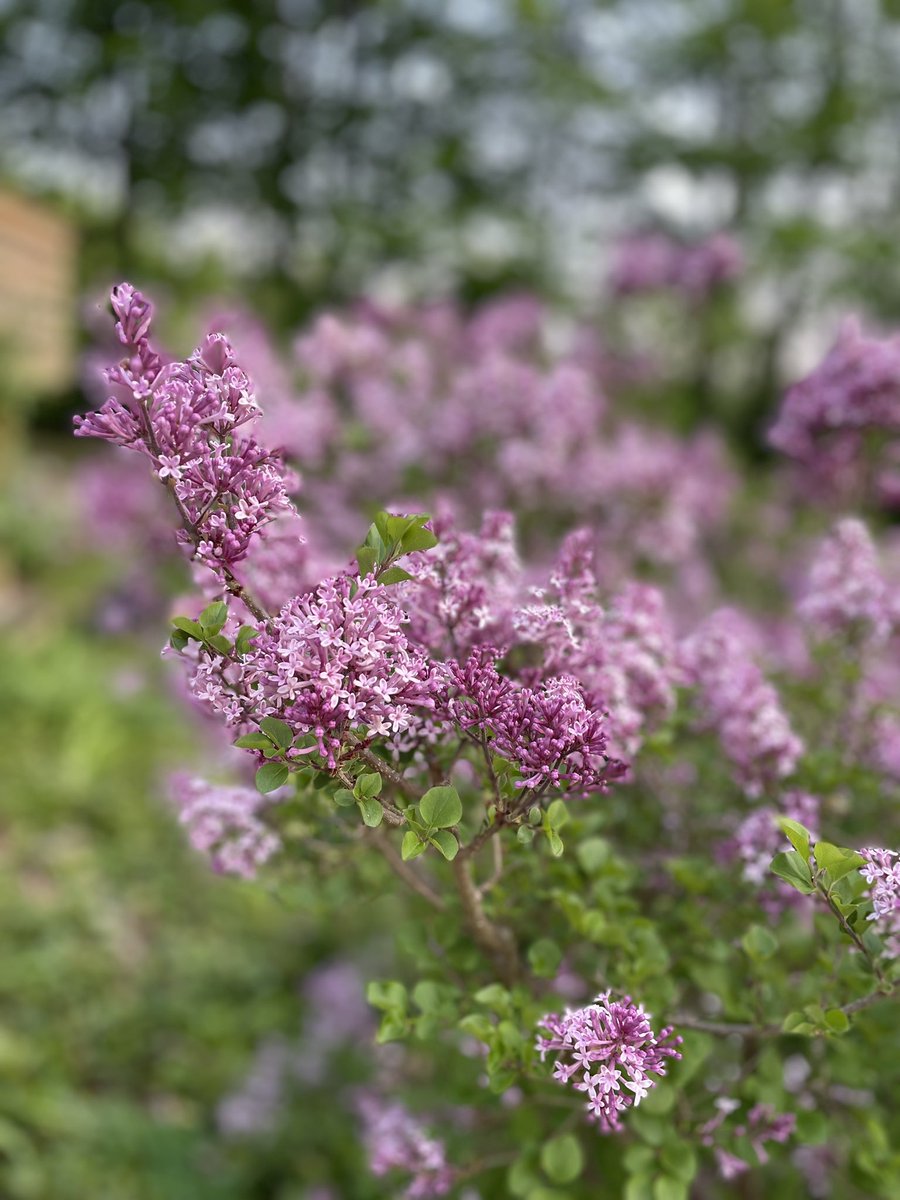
368, 786
388, 995
344, 798
592, 854
271, 776
186, 625
178, 640
219, 642
525, 834
796, 834
556, 843
836, 860
666, 1187
366, 559
837, 1021
214, 617
495, 996
544, 957
759, 943
679, 1160
444, 841
562, 1158
557, 814
411, 846
245, 635
440, 807
394, 575
793, 869
280, 732
372, 812
796, 1022
417, 539
253, 741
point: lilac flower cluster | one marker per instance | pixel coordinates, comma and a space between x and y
847, 592
653, 262
334, 661
387, 388
549, 732
825, 418
223, 823
185, 417
881, 871
609, 1051
739, 704
396, 1141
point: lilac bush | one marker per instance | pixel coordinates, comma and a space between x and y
538, 726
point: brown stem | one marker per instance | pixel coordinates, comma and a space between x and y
386, 771
496, 941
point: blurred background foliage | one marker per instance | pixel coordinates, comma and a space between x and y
297, 153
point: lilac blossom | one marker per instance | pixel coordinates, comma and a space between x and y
550, 733
652, 262
396, 1141
609, 1051
847, 591
184, 416
223, 823
738, 703
333, 662
881, 871
825, 418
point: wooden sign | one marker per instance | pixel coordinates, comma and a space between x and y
37, 297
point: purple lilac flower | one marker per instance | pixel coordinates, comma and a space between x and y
651, 262
255, 1106
185, 417
549, 732
825, 417
396, 1141
609, 1051
881, 871
739, 704
223, 823
846, 589
332, 661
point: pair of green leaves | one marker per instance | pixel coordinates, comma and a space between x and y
389, 538
208, 630
366, 790
438, 811
833, 863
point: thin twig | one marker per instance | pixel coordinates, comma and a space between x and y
405, 872
746, 1029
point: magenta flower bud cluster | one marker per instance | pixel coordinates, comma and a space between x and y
609, 1051
550, 734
